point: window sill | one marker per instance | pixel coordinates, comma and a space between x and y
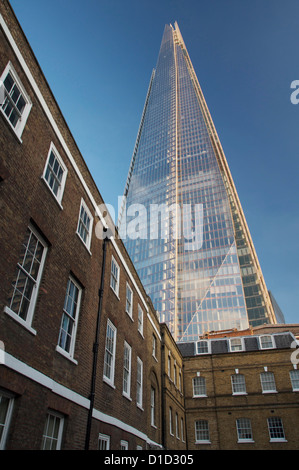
126, 396
11, 127
154, 357
66, 354
130, 315
108, 382
278, 440
19, 320
115, 293
245, 441
202, 442
237, 394
83, 243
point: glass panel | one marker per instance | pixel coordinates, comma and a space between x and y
268, 381
244, 428
276, 428
8, 82
194, 287
238, 383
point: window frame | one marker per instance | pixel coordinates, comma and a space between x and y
110, 379
8, 416
21, 123
87, 242
201, 387
203, 430
103, 438
268, 374
127, 370
177, 434
182, 429
27, 322
241, 429
295, 387
140, 320
153, 407
240, 382
58, 197
70, 354
129, 302
139, 383
124, 445
170, 421
154, 346
272, 428
207, 349
261, 342
241, 344
113, 277
58, 439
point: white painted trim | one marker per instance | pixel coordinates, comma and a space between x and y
59, 195
64, 145
27, 371
87, 244
18, 129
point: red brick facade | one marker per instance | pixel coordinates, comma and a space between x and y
39, 375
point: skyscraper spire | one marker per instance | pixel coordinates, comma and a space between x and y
182, 220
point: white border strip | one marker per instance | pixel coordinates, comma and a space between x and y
64, 145
45, 381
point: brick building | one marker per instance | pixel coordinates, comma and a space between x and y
76, 325
173, 402
242, 390
84, 362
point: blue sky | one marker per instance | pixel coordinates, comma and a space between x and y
98, 56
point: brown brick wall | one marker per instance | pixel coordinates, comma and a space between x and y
25, 198
221, 409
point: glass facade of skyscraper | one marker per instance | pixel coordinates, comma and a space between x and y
182, 223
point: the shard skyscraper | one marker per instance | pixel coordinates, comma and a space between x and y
181, 220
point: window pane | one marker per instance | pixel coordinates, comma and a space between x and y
236, 344
294, 375
266, 341
276, 428
69, 317
202, 430
26, 275
4, 403
244, 428
54, 173
14, 103
109, 353
51, 435
199, 386
84, 225
238, 383
202, 347
268, 382
8, 82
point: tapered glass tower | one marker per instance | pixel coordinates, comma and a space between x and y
181, 220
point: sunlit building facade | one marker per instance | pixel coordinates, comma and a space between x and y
181, 219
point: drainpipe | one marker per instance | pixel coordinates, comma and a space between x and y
96, 342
